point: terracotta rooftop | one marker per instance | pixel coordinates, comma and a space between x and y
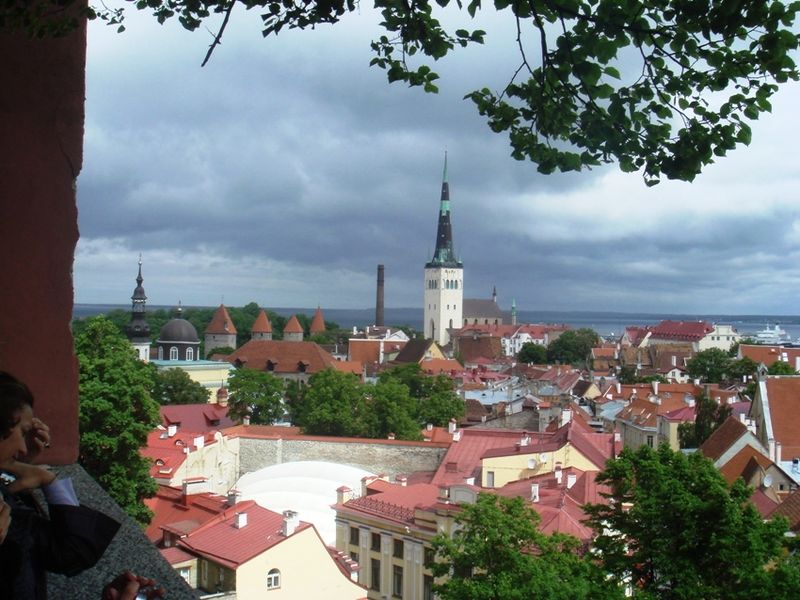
783, 394
262, 323
221, 541
463, 459
644, 413
741, 464
199, 418
769, 354
174, 555
369, 350
723, 438
789, 508
293, 325
317, 323
285, 357
414, 351
349, 366
221, 322
438, 366
681, 330
170, 506
396, 502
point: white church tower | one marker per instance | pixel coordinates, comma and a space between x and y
444, 278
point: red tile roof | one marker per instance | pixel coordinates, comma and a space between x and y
789, 508
262, 323
784, 400
221, 541
769, 354
349, 366
169, 507
221, 322
317, 323
369, 350
285, 357
293, 326
168, 453
596, 447
174, 555
604, 352
437, 366
463, 459
723, 438
200, 418
742, 461
395, 502
644, 413
763, 503
681, 330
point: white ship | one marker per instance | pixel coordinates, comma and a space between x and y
773, 337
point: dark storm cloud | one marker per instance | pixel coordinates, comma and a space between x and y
287, 169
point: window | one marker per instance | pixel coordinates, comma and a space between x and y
184, 572
490, 479
376, 542
397, 550
190, 354
397, 581
354, 536
429, 556
375, 574
204, 571
427, 587
273, 579
160, 353
354, 556
650, 440
173, 353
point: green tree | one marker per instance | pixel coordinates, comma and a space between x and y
708, 416
711, 366
780, 367
436, 401
174, 386
742, 369
531, 353
333, 403
116, 413
675, 530
256, 394
389, 409
573, 346
499, 552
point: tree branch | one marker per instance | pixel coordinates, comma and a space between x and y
218, 38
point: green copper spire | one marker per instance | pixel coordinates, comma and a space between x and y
444, 255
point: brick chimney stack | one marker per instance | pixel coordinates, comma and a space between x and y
379, 299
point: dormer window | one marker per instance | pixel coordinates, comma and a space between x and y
270, 365
301, 367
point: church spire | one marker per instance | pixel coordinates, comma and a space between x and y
138, 330
444, 256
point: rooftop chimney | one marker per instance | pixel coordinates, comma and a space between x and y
559, 475
571, 479
290, 522
379, 299
402, 480
233, 496
343, 494
240, 520
246, 420
534, 492
172, 430
390, 436
451, 426
566, 416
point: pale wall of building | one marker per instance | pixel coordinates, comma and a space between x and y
218, 462
506, 469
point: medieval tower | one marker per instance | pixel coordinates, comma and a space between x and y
444, 277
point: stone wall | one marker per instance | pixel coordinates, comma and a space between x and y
390, 458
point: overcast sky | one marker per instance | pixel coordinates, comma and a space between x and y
287, 169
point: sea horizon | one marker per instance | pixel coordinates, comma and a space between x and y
606, 323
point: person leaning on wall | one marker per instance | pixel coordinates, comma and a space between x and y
71, 539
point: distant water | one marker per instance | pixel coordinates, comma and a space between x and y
607, 324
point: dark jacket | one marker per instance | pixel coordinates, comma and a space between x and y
70, 541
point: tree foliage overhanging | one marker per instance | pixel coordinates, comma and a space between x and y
659, 86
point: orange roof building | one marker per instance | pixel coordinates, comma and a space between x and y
293, 331
262, 328
221, 332
289, 360
317, 323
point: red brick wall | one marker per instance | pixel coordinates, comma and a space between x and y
41, 145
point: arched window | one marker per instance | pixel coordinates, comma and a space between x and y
173, 353
160, 353
273, 579
190, 354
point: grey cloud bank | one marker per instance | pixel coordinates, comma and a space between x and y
287, 169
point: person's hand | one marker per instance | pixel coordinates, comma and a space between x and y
5, 520
126, 586
38, 439
29, 477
